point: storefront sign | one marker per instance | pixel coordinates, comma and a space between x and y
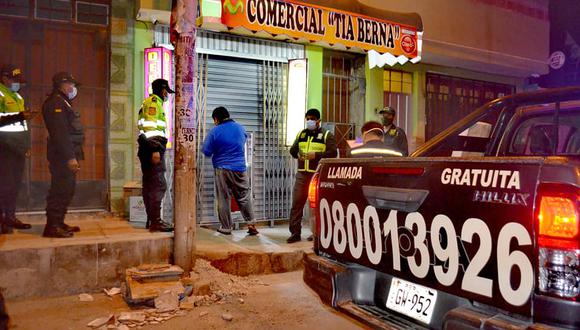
318, 24
159, 64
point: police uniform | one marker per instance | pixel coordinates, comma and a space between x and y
323, 143
14, 144
396, 139
65, 142
152, 138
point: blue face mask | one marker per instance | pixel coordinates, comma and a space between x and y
311, 125
72, 94
15, 87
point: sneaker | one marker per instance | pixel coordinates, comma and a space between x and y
73, 229
15, 223
161, 226
56, 232
252, 231
293, 239
224, 231
310, 238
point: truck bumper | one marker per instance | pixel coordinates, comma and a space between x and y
333, 282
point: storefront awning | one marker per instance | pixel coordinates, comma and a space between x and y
388, 37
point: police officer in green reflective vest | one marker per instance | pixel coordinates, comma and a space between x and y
14, 145
152, 143
311, 145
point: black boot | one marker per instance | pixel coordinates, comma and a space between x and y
72, 229
56, 232
15, 223
160, 225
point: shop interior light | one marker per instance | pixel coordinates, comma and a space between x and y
297, 87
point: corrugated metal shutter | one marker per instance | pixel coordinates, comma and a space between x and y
223, 44
235, 84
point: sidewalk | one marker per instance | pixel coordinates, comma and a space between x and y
96, 258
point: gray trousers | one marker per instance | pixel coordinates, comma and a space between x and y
299, 197
228, 183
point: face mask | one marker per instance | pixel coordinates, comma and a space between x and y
387, 122
72, 94
311, 124
15, 87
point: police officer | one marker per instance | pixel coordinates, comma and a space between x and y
64, 149
311, 145
395, 137
14, 145
152, 143
373, 143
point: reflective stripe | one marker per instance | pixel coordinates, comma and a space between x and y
161, 123
151, 134
375, 151
149, 124
1, 94
16, 127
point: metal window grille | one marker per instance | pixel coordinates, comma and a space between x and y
92, 13
54, 10
449, 99
18, 8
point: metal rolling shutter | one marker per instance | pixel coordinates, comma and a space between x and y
235, 84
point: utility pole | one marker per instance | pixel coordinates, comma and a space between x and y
183, 32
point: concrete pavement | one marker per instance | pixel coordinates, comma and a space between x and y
96, 258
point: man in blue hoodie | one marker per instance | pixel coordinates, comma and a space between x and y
225, 144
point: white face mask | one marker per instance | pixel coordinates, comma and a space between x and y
311, 124
72, 94
15, 87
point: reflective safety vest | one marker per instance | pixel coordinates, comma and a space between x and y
152, 118
308, 143
11, 103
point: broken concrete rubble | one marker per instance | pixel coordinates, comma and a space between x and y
175, 297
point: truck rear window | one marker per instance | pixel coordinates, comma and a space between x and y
537, 135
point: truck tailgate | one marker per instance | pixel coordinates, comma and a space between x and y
464, 227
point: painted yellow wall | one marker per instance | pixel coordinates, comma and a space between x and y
314, 54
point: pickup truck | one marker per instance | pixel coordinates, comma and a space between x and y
477, 229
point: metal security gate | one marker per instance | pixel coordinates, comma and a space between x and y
254, 93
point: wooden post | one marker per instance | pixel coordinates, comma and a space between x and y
183, 31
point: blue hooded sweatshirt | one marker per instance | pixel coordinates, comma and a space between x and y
226, 143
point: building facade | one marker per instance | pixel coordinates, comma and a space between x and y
469, 52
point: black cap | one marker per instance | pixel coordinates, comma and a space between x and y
11, 72
62, 77
160, 84
313, 112
390, 110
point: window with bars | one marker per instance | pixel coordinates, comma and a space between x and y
14, 8
54, 10
81, 12
397, 82
92, 13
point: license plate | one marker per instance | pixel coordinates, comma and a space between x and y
415, 301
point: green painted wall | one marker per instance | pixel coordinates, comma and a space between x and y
143, 39
374, 91
314, 54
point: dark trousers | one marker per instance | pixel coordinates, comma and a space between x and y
12, 165
61, 192
4, 318
299, 197
154, 185
228, 183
